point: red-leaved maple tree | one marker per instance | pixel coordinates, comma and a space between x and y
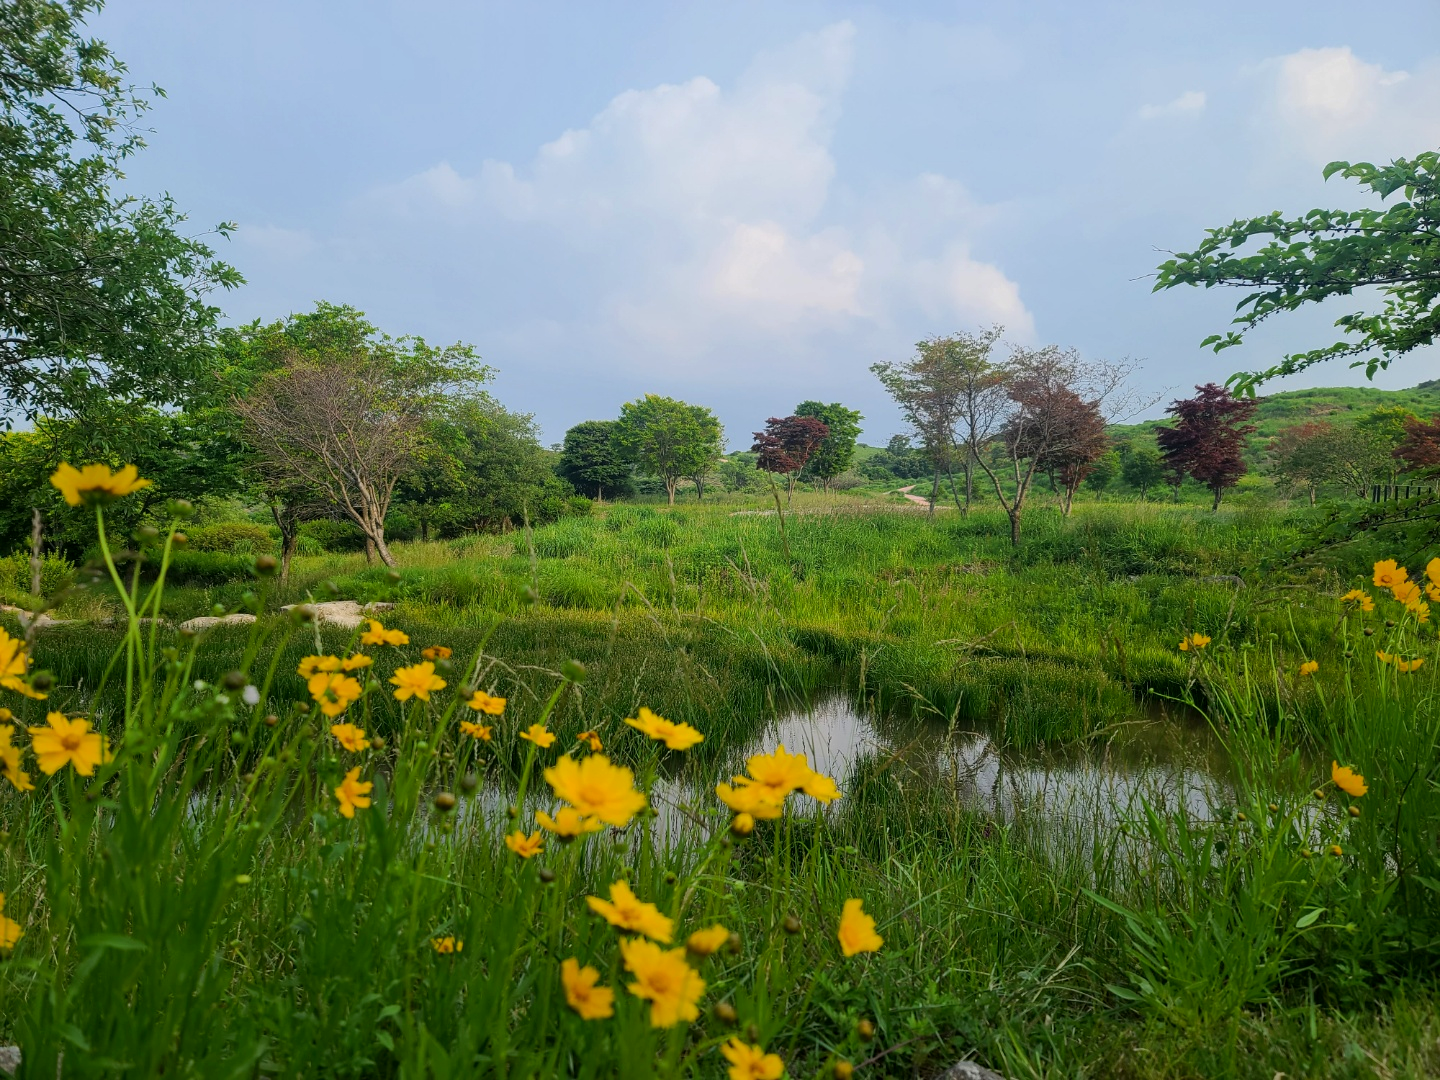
1208, 439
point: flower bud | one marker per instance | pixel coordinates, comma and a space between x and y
732, 943
179, 539
512, 811
217, 610
303, 613
445, 802
377, 743
242, 879
725, 1012
302, 707
866, 1030
547, 875
1369, 631
742, 824
265, 565
42, 681
233, 680
752, 1032
271, 720
791, 924
1353, 811
330, 588
147, 534
469, 782
1274, 808
573, 670
181, 509
842, 1070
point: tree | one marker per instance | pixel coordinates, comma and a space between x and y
954, 398
1333, 253
668, 438
1319, 452
100, 296
1141, 466
1103, 471
837, 450
1057, 403
592, 460
1298, 456
1208, 439
346, 420
787, 444
1420, 449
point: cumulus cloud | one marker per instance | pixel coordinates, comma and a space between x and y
1190, 103
691, 217
1331, 103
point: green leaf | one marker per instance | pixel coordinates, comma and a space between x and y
1308, 919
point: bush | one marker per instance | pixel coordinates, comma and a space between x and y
208, 567
332, 534
55, 573
233, 538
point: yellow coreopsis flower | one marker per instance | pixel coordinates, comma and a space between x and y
1432, 571
857, 930
755, 801
95, 484
1194, 641
66, 742
1348, 780
775, 775
749, 1062
378, 635
333, 692
527, 847
591, 739
539, 735
10, 930
436, 652
353, 793
1407, 592
417, 680
1405, 667
355, 661
627, 911
1433, 592
675, 736
821, 788
486, 703
314, 665
1388, 575
704, 942
568, 823
446, 945
477, 731
14, 662
1361, 597
352, 738
582, 994
10, 757
663, 978
1309, 667
596, 788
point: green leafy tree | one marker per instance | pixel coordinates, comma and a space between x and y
1333, 253
1103, 470
101, 297
1141, 466
669, 438
593, 462
837, 450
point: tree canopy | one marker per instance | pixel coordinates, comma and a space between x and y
1333, 253
101, 297
592, 460
837, 450
669, 438
1208, 439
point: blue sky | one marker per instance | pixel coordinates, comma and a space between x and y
747, 204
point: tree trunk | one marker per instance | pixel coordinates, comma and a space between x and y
670, 482
1067, 500
969, 481
935, 491
1216, 507
1014, 513
1312, 494
289, 541
369, 550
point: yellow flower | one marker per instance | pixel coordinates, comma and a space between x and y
596, 788
821, 788
378, 635
313, 665
663, 978
351, 737
592, 1002
857, 930
476, 731
10, 757
1433, 592
1405, 591
1361, 597
1336, 850
537, 734
1309, 667
775, 775
1388, 575
356, 661
486, 703
95, 484
13, 664
527, 847
1347, 779
742, 824
446, 945
1405, 667
436, 652
751, 1062
417, 680
1419, 609
705, 942
1194, 641
353, 793
1432, 571
568, 823
755, 801
333, 692
627, 911
10, 931
675, 736
592, 739
66, 742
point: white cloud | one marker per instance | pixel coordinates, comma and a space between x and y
1190, 103
695, 221
1331, 103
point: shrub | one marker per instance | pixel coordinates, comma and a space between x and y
208, 567
332, 534
233, 538
55, 573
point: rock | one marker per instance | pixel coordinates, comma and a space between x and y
969, 1070
41, 621
1225, 579
346, 614
209, 622
9, 1060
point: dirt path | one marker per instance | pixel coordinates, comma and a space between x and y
906, 491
